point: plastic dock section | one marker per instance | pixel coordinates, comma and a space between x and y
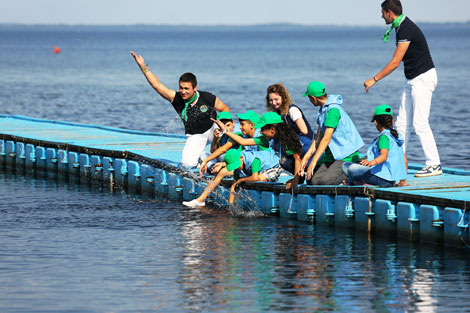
432, 209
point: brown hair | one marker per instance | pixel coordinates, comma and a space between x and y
392, 5
189, 78
386, 121
285, 96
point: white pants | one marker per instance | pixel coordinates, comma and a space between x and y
194, 147
414, 110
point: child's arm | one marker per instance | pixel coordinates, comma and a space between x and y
253, 177
295, 181
307, 157
380, 159
238, 139
215, 143
325, 141
215, 154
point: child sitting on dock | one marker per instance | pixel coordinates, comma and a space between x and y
385, 164
220, 140
340, 141
249, 121
248, 130
251, 166
281, 138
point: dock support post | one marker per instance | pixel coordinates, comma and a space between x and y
431, 227
120, 173
2, 152
133, 176
364, 215
30, 158
287, 205
20, 157
454, 227
268, 202
408, 220
10, 159
344, 211
305, 208
385, 218
325, 210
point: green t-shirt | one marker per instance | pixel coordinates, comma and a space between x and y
255, 168
262, 143
235, 145
332, 120
384, 142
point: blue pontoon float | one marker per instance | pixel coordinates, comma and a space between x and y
432, 209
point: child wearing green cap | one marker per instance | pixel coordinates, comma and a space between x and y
340, 141
248, 130
248, 121
251, 166
385, 164
209, 158
262, 143
281, 138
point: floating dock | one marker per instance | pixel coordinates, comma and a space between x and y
432, 209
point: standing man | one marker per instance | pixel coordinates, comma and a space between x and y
196, 108
421, 79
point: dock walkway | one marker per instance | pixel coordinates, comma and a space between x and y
435, 208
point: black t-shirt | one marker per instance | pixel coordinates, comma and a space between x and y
417, 59
199, 114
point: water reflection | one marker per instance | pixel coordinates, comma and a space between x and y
101, 252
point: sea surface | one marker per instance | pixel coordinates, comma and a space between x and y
69, 247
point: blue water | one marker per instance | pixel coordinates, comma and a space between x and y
68, 247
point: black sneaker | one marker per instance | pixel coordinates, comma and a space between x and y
429, 170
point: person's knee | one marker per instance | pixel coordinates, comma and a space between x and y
421, 126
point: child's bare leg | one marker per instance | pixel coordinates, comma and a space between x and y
213, 184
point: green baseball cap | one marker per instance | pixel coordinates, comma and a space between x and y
382, 109
225, 115
269, 118
232, 159
251, 116
315, 89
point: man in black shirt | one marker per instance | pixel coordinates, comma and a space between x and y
196, 108
421, 80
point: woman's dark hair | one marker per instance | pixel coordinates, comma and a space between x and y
386, 121
392, 5
288, 138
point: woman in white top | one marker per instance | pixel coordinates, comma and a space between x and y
278, 100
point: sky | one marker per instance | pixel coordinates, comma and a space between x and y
223, 12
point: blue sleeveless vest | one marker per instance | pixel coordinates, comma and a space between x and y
346, 139
268, 160
305, 140
287, 119
393, 169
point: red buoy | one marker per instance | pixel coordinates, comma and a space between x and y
56, 49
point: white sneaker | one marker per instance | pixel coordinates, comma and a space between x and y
429, 170
194, 203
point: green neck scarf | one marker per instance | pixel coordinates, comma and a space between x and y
395, 24
184, 115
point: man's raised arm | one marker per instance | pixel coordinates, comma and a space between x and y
153, 80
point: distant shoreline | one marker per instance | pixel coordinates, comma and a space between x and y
152, 27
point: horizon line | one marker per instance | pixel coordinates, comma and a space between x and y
280, 24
